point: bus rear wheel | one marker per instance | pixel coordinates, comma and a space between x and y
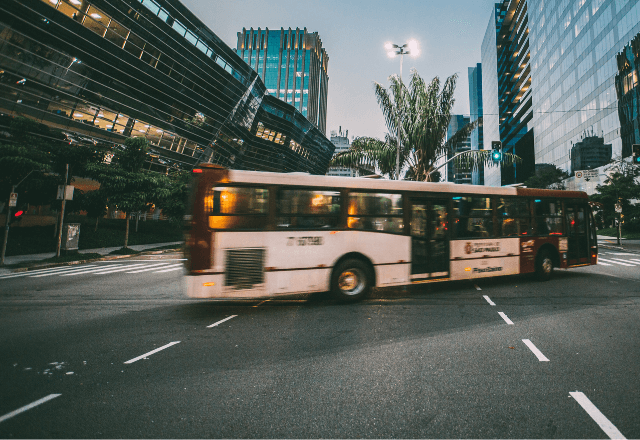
351, 280
544, 266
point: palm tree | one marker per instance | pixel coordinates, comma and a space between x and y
419, 116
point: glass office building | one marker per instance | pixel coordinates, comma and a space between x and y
628, 93
454, 173
573, 63
293, 65
104, 70
475, 107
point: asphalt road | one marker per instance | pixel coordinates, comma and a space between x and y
493, 359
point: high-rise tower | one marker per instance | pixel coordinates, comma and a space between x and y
293, 66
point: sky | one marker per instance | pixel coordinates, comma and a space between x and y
353, 33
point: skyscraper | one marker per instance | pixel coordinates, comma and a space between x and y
475, 108
293, 65
341, 140
455, 173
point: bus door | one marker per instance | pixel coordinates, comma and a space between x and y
578, 240
429, 239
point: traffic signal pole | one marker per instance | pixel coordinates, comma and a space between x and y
64, 199
6, 229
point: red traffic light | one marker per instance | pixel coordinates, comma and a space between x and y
18, 214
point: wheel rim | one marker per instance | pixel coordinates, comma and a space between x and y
547, 265
351, 281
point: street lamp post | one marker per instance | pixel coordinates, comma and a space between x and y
409, 48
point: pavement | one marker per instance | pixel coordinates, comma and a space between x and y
625, 244
34, 258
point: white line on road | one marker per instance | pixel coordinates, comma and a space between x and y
34, 272
600, 263
100, 269
506, 319
489, 300
534, 349
615, 262
625, 261
633, 259
150, 259
477, 287
180, 266
61, 271
28, 407
120, 269
152, 267
131, 361
220, 322
596, 415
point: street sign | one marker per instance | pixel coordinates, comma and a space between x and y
69, 193
587, 174
618, 207
13, 200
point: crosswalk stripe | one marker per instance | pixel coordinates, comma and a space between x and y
154, 267
113, 270
625, 261
66, 270
616, 262
603, 264
637, 261
35, 272
170, 270
96, 270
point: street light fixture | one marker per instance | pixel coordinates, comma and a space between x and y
409, 48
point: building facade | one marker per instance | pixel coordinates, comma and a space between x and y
341, 141
628, 93
105, 70
591, 152
293, 65
475, 110
573, 66
453, 173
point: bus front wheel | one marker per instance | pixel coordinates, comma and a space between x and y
544, 265
351, 280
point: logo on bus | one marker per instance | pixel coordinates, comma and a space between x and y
481, 247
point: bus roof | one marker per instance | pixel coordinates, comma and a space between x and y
304, 179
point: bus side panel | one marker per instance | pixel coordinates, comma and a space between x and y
475, 258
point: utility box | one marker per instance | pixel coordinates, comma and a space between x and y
71, 238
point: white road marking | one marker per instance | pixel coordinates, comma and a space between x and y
626, 254
152, 267
220, 322
600, 263
120, 269
180, 266
616, 262
99, 269
28, 407
150, 259
35, 272
534, 349
633, 259
506, 319
625, 261
477, 287
130, 361
489, 300
61, 271
597, 416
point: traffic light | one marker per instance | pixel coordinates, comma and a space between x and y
17, 216
635, 148
496, 151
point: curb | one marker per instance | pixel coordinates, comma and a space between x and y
37, 266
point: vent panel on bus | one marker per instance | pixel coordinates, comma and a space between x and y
245, 268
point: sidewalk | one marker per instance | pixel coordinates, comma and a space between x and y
625, 244
102, 251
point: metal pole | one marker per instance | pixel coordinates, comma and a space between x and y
64, 199
6, 229
399, 122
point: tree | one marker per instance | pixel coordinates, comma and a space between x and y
619, 187
548, 177
126, 185
419, 115
174, 204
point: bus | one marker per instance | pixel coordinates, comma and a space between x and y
262, 234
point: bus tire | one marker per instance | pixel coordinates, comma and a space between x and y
351, 280
544, 265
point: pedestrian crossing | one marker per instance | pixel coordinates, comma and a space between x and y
617, 259
152, 266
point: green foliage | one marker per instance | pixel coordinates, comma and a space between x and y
620, 186
174, 204
550, 177
419, 115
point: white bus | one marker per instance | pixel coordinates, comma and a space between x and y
258, 234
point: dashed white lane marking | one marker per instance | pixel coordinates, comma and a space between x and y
477, 287
534, 349
506, 318
600, 263
221, 321
616, 262
489, 300
597, 416
130, 361
152, 267
178, 267
28, 407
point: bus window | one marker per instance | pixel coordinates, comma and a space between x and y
237, 207
514, 217
473, 217
548, 217
308, 209
375, 212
